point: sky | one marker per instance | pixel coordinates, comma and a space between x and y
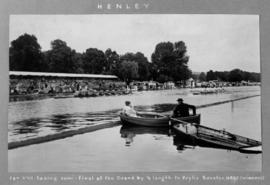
214, 42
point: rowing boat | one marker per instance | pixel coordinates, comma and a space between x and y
155, 119
146, 119
217, 138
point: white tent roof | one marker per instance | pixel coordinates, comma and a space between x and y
72, 75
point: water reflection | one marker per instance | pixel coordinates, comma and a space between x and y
180, 141
183, 142
35, 127
57, 123
95, 149
232, 106
129, 132
15, 98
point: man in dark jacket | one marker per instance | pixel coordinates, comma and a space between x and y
182, 109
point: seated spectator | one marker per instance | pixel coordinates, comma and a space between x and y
128, 109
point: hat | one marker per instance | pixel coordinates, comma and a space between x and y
179, 99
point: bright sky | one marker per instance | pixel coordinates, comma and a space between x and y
217, 42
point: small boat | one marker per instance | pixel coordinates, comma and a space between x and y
217, 138
146, 119
183, 142
196, 93
155, 119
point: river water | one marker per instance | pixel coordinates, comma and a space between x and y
125, 149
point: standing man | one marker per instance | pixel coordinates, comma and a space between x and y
182, 109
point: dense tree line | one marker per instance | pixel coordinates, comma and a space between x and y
169, 61
235, 75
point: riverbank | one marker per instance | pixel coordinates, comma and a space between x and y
115, 122
83, 94
108, 92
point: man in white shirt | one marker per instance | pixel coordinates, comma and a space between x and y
128, 109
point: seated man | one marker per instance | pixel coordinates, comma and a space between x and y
182, 109
128, 109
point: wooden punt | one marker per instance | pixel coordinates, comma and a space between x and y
155, 120
183, 142
217, 138
190, 119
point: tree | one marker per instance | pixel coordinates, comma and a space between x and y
112, 61
255, 77
181, 73
94, 61
60, 57
171, 60
163, 57
77, 59
202, 77
235, 75
143, 64
129, 71
163, 78
25, 54
210, 75
222, 76
154, 72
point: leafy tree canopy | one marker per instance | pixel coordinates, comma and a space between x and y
235, 75
60, 57
129, 71
171, 60
25, 54
94, 61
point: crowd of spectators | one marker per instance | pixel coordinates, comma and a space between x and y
23, 86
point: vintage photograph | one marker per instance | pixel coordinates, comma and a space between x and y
134, 93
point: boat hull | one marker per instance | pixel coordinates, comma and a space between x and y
146, 120
155, 120
206, 136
